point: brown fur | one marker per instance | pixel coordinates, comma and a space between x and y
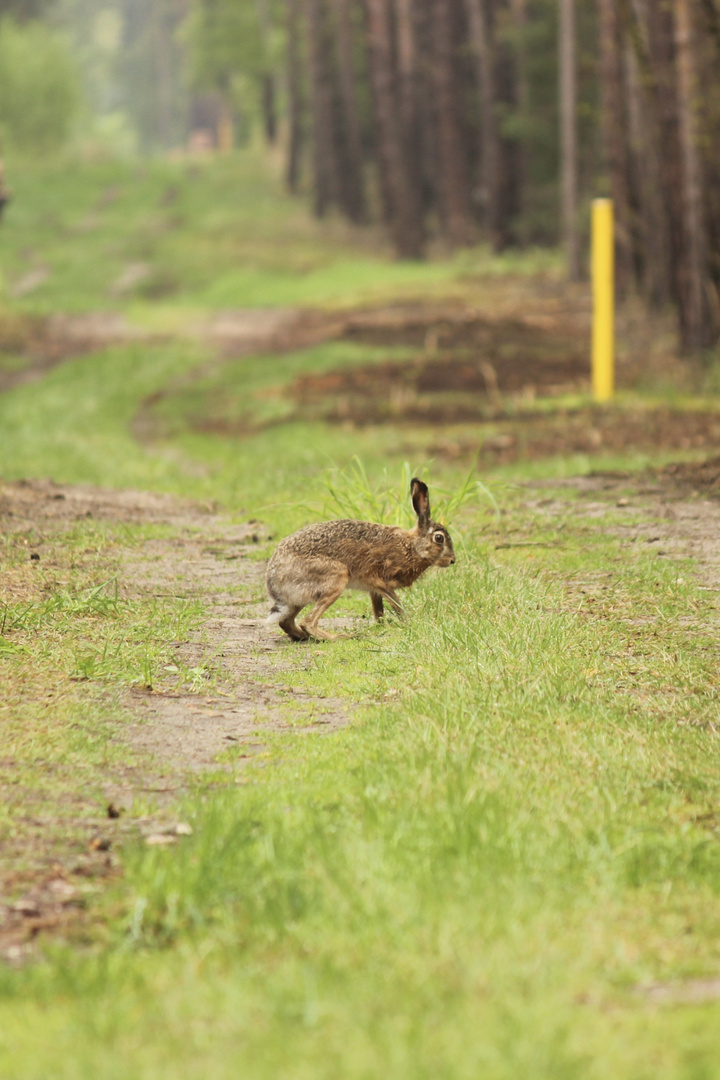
320, 561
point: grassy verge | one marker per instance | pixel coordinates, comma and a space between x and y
478, 877
70, 641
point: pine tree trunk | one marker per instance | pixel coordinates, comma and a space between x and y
615, 134
699, 321
406, 59
519, 13
402, 195
481, 27
408, 88
652, 223
326, 178
295, 97
663, 65
268, 108
267, 80
454, 168
427, 131
568, 137
708, 37
353, 166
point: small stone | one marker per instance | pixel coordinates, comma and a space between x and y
160, 839
26, 907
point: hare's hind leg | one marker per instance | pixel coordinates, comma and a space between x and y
284, 614
333, 587
291, 628
377, 605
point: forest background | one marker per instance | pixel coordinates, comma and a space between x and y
448, 121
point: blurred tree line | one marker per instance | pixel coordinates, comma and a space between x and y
65, 64
39, 86
462, 120
133, 64
500, 119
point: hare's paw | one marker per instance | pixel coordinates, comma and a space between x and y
291, 628
318, 634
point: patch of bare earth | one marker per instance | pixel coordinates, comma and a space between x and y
30, 346
690, 992
484, 367
675, 510
679, 510
236, 652
210, 712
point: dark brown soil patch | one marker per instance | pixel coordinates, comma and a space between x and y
472, 367
694, 477
444, 389
550, 332
530, 436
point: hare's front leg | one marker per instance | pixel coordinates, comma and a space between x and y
392, 598
377, 605
376, 598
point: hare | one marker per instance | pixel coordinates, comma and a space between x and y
317, 564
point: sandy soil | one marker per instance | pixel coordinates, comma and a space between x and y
204, 557
40, 344
677, 522
212, 560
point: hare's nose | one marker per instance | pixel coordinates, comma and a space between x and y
452, 561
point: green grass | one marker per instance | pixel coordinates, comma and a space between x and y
474, 879
515, 836
71, 643
212, 234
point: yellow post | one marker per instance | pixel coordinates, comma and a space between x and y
603, 288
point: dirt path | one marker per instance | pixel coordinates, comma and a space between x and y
224, 690
41, 344
668, 509
235, 652
209, 713
207, 558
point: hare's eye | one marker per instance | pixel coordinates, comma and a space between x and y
439, 538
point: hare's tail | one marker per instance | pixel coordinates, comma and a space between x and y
278, 611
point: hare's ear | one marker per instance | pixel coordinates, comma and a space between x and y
421, 502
